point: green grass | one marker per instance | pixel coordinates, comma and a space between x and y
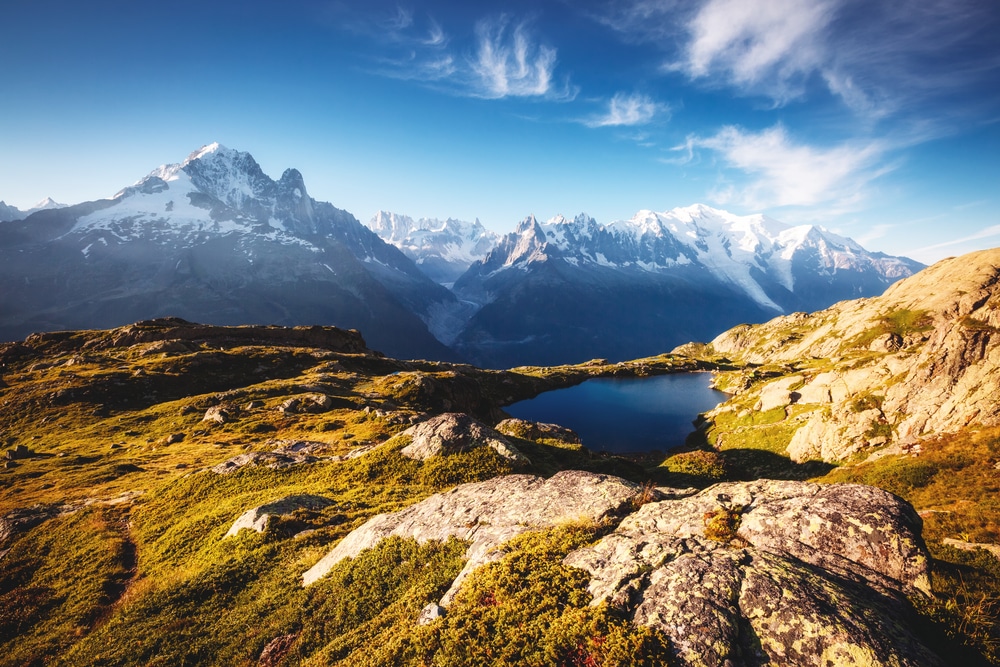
525, 609
153, 581
901, 322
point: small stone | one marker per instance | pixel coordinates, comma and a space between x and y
253, 405
217, 414
258, 517
430, 613
174, 438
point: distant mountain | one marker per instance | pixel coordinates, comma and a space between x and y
44, 205
567, 290
442, 249
213, 239
8, 212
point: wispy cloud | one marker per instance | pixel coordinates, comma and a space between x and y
399, 21
495, 58
628, 110
986, 233
509, 62
771, 45
782, 172
880, 59
435, 35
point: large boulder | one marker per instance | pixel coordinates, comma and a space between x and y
489, 513
765, 572
453, 433
258, 517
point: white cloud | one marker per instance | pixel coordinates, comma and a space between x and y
762, 43
509, 63
435, 35
496, 59
985, 233
401, 20
783, 173
628, 109
926, 58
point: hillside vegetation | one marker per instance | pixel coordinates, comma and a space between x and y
168, 485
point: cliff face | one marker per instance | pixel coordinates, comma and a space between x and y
922, 359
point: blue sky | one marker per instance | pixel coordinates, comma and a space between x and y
880, 121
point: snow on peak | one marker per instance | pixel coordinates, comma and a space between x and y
444, 249
752, 253
214, 147
46, 204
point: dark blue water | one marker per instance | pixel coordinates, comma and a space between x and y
634, 415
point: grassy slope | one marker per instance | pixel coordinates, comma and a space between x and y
135, 570
131, 566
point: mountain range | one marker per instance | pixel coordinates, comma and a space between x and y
214, 239
564, 289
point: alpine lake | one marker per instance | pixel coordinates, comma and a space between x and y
626, 416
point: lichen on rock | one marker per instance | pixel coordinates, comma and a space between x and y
811, 573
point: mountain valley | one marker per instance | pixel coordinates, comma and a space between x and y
176, 493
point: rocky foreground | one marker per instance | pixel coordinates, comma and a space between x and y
766, 572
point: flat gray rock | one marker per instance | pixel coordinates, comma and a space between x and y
487, 514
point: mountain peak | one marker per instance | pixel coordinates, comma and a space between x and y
46, 204
207, 149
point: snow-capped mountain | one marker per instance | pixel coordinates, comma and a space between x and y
443, 249
44, 205
654, 281
8, 212
216, 240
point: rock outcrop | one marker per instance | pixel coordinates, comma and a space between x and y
778, 573
258, 517
538, 431
489, 513
754, 573
453, 433
924, 358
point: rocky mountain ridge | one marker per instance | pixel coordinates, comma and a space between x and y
8, 212
443, 249
920, 360
567, 290
773, 264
